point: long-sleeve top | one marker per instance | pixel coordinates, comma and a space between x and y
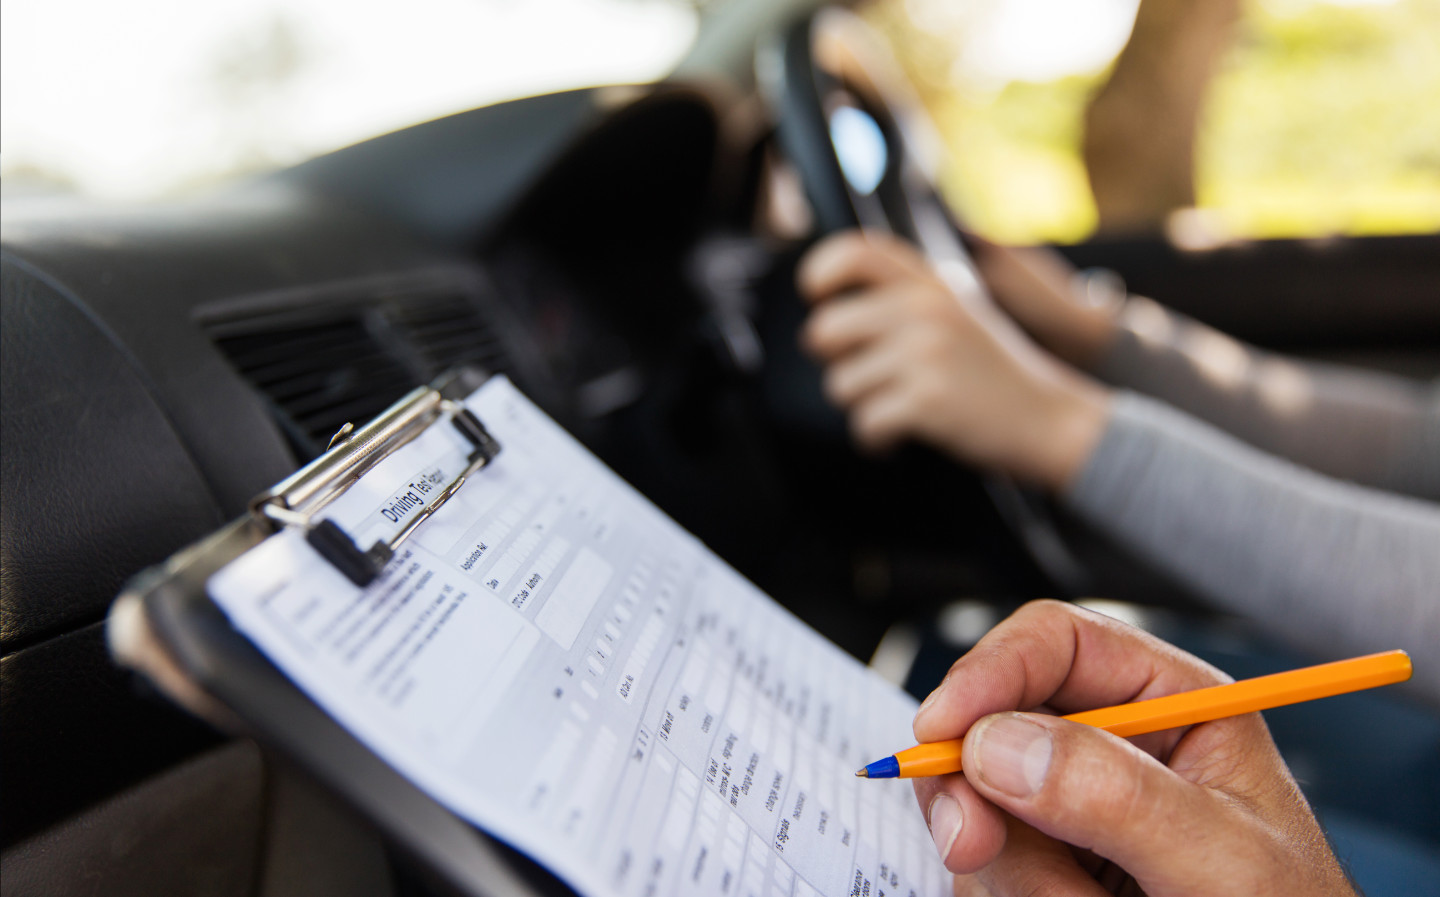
1368, 427
1329, 555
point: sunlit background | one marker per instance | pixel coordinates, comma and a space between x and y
1324, 116
149, 97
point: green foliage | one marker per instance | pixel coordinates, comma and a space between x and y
1015, 170
1324, 118
1012, 162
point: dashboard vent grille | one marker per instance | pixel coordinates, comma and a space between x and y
323, 364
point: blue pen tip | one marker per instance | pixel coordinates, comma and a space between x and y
884, 768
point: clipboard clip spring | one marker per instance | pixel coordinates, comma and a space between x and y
297, 501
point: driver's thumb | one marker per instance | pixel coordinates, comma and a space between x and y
1091, 789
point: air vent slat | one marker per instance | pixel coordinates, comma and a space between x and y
450, 331
316, 364
456, 343
346, 387
346, 361
285, 351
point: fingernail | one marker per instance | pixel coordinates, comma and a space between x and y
1013, 754
926, 704
945, 823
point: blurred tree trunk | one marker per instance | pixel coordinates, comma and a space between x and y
1140, 127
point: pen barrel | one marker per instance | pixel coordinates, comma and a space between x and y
1249, 695
937, 758
1202, 705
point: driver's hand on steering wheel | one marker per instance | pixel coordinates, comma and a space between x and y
906, 358
1047, 806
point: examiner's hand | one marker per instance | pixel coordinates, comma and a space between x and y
1047, 806
908, 359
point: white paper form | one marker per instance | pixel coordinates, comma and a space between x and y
565, 667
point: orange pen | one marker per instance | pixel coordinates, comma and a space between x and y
1184, 709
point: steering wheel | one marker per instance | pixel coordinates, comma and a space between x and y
863, 146
850, 123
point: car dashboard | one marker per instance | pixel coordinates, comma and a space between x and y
164, 364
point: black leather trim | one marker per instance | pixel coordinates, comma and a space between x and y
1300, 295
76, 729
193, 830
96, 482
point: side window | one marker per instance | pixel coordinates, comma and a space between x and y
1248, 118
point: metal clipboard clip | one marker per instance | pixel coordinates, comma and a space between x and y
297, 500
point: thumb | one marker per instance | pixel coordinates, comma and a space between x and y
1093, 790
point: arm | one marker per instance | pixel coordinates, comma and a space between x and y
1336, 567
1372, 428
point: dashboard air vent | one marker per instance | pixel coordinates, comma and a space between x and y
344, 359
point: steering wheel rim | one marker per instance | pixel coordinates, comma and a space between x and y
832, 60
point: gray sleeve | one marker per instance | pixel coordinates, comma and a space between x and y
1371, 428
1330, 566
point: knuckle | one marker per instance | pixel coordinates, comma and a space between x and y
872, 438
939, 338
812, 335
846, 255
1035, 873
864, 426
1048, 608
1133, 806
924, 397
874, 428
1051, 606
1042, 615
1000, 650
909, 404
1036, 882
883, 242
836, 385
1101, 784
926, 303
854, 240
970, 886
822, 332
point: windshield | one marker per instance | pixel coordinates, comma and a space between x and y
152, 97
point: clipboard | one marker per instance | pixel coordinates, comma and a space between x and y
698, 731
164, 626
